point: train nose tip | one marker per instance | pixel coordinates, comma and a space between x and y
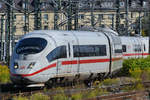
20, 80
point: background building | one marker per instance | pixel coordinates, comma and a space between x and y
18, 17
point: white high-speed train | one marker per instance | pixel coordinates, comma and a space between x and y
51, 56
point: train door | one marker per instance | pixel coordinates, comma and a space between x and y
63, 63
67, 65
73, 62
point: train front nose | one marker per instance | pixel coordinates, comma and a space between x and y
25, 64
20, 71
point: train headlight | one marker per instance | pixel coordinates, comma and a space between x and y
31, 65
16, 65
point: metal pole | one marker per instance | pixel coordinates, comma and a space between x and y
76, 11
69, 15
56, 15
100, 19
55, 19
118, 16
8, 31
127, 21
140, 25
12, 39
37, 15
26, 15
92, 15
2, 30
112, 21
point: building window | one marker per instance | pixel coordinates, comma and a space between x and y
110, 16
14, 17
122, 26
98, 3
14, 28
122, 4
80, 26
122, 16
23, 18
81, 16
45, 27
46, 17
23, 5
131, 14
43, 5
100, 16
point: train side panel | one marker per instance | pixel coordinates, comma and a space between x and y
94, 53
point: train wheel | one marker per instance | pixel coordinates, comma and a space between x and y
88, 83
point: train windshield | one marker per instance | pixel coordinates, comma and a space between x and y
31, 46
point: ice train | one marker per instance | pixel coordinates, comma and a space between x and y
50, 56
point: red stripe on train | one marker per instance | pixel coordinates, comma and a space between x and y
135, 54
45, 68
89, 61
93, 61
67, 63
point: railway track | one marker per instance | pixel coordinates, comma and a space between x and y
115, 92
135, 95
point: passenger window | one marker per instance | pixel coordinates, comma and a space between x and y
86, 51
137, 48
76, 51
57, 53
102, 50
124, 49
89, 50
118, 50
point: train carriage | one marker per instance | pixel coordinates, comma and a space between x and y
51, 56
135, 47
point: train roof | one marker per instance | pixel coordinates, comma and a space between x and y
81, 32
59, 33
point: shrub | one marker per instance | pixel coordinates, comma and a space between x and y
20, 98
4, 74
109, 81
135, 65
135, 73
77, 96
39, 96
